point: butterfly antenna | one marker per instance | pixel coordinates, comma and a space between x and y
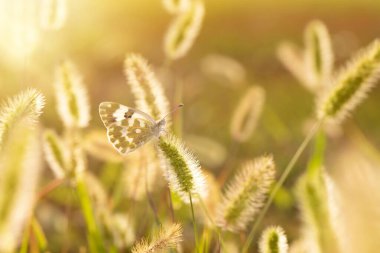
174, 110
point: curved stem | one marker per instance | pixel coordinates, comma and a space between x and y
280, 182
49, 188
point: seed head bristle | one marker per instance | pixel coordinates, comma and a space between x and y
167, 238
247, 114
245, 195
72, 98
182, 169
273, 240
25, 107
183, 31
351, 85
146, 88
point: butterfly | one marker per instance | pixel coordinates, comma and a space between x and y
129, 128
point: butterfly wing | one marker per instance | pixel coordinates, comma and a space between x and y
127, 128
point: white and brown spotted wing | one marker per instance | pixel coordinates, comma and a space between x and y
127, 128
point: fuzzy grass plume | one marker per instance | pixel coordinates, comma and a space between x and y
167, 238
19, 163
225, 69
121, 227
53, 14
319, 58
352, 84
25, 107
63, 160
55, 153
247, 114
182, 169
183, 31
146, 88
292, 57
315, 207
246, 193
72, 98
273, 240
312, 65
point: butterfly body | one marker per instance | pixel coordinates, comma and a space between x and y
128, 128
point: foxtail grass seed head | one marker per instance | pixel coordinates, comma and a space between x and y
169, 237
273, 240
53, 14
20, 165
176, 6
63, 160
224, 68
182, 169
319, 58
292, 57
72, 98
25, 107
121, 227
183, 31
78, 163
146, 88
245, 195
316, 213
55, 153
247, 114
20, 169
352, 84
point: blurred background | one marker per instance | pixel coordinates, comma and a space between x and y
98, 34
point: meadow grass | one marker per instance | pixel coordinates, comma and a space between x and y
160, 196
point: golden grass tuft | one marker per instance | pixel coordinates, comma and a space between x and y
167, 238
245, 194
183, 31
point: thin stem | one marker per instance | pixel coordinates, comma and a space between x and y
194, 223
49, 188
280, 182
95, 239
